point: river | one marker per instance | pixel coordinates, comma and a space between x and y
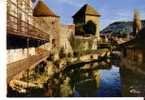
82, 80
109, 84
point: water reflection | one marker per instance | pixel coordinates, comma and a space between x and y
110, 83
84, 81
103, 82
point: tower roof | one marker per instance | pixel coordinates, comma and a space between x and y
42, 10
87, 10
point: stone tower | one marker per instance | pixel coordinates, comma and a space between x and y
87, 21
43, 14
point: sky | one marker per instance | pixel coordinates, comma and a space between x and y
110, 10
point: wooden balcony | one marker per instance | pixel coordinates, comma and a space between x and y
17, 27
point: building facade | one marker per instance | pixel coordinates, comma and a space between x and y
51, 20
134, 53
132, 65
38, 25
28, 36
87, 33
16, 13
87, 21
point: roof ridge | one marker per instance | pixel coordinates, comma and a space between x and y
87, 9
42, 10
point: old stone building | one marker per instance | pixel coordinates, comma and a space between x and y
134, 49
87, 21
134, 53
132, 66
42, 14
12, 17
87, 33
22, 35
27, 36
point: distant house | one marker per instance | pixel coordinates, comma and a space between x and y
87, 21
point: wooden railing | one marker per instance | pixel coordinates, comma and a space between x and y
16, 26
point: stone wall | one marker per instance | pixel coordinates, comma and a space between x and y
50, 25
135, 55
65, 34
85, 43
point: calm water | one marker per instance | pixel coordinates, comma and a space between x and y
109, 84
106, 84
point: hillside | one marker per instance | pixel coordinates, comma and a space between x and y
120, 28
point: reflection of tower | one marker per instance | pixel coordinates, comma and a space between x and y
137, 25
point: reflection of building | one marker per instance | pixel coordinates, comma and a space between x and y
86, 21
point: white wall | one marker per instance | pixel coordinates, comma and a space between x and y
14, 55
